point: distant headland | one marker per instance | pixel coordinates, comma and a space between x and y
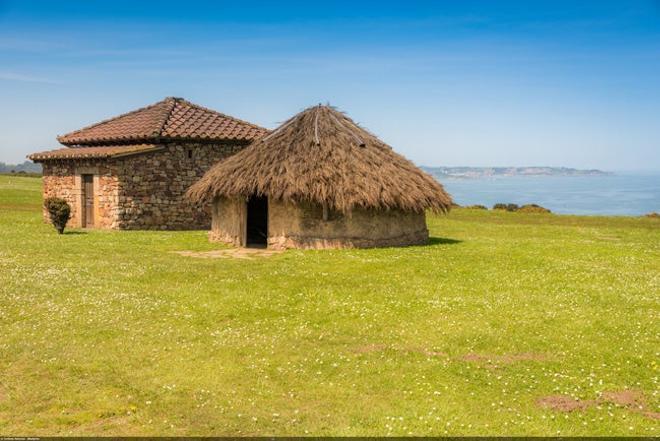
496, 172
438, 172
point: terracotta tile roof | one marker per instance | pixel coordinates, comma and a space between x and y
170, 119
94, 152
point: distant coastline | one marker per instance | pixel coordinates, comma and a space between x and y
621, 194
496, 172
438, 172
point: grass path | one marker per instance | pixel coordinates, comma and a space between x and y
115, 333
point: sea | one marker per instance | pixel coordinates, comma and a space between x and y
618, 194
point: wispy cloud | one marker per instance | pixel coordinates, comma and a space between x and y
20, 44
11, 76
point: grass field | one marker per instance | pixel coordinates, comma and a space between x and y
483, 332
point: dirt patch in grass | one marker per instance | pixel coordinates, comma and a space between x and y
564, 403
652, 415
231, 253
473, 357
625, 398
629, 399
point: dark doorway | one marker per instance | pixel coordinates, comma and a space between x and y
257, 222
88, 201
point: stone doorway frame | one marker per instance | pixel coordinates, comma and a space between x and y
79, 192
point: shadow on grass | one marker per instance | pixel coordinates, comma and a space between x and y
75, 232
442, 241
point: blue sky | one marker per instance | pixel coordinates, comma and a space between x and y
445, 83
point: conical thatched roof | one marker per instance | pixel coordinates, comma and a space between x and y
320, 155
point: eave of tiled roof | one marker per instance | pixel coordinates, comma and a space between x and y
172, 119
94, 152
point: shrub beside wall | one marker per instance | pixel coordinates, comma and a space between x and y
59, 212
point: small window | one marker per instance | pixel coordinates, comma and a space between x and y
189, 153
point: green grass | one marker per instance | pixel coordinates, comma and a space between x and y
112, 333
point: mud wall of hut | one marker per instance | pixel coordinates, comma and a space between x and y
228, 225
143, 191
304, 226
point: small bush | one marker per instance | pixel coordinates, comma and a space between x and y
653, 215
477, 207
59, 212
533, 208
507, 207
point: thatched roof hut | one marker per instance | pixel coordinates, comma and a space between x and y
320, 158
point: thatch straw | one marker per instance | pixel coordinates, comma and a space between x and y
322, 156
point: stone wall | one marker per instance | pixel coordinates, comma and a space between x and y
59, 181
64, 179
303, 226
152, 186
143, 191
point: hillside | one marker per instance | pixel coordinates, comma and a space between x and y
495, 172
506, 323
25, 167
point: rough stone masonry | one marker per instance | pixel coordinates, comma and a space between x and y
141, 191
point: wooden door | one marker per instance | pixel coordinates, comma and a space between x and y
88, 200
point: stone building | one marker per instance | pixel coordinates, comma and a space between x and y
319, 181
132, 171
